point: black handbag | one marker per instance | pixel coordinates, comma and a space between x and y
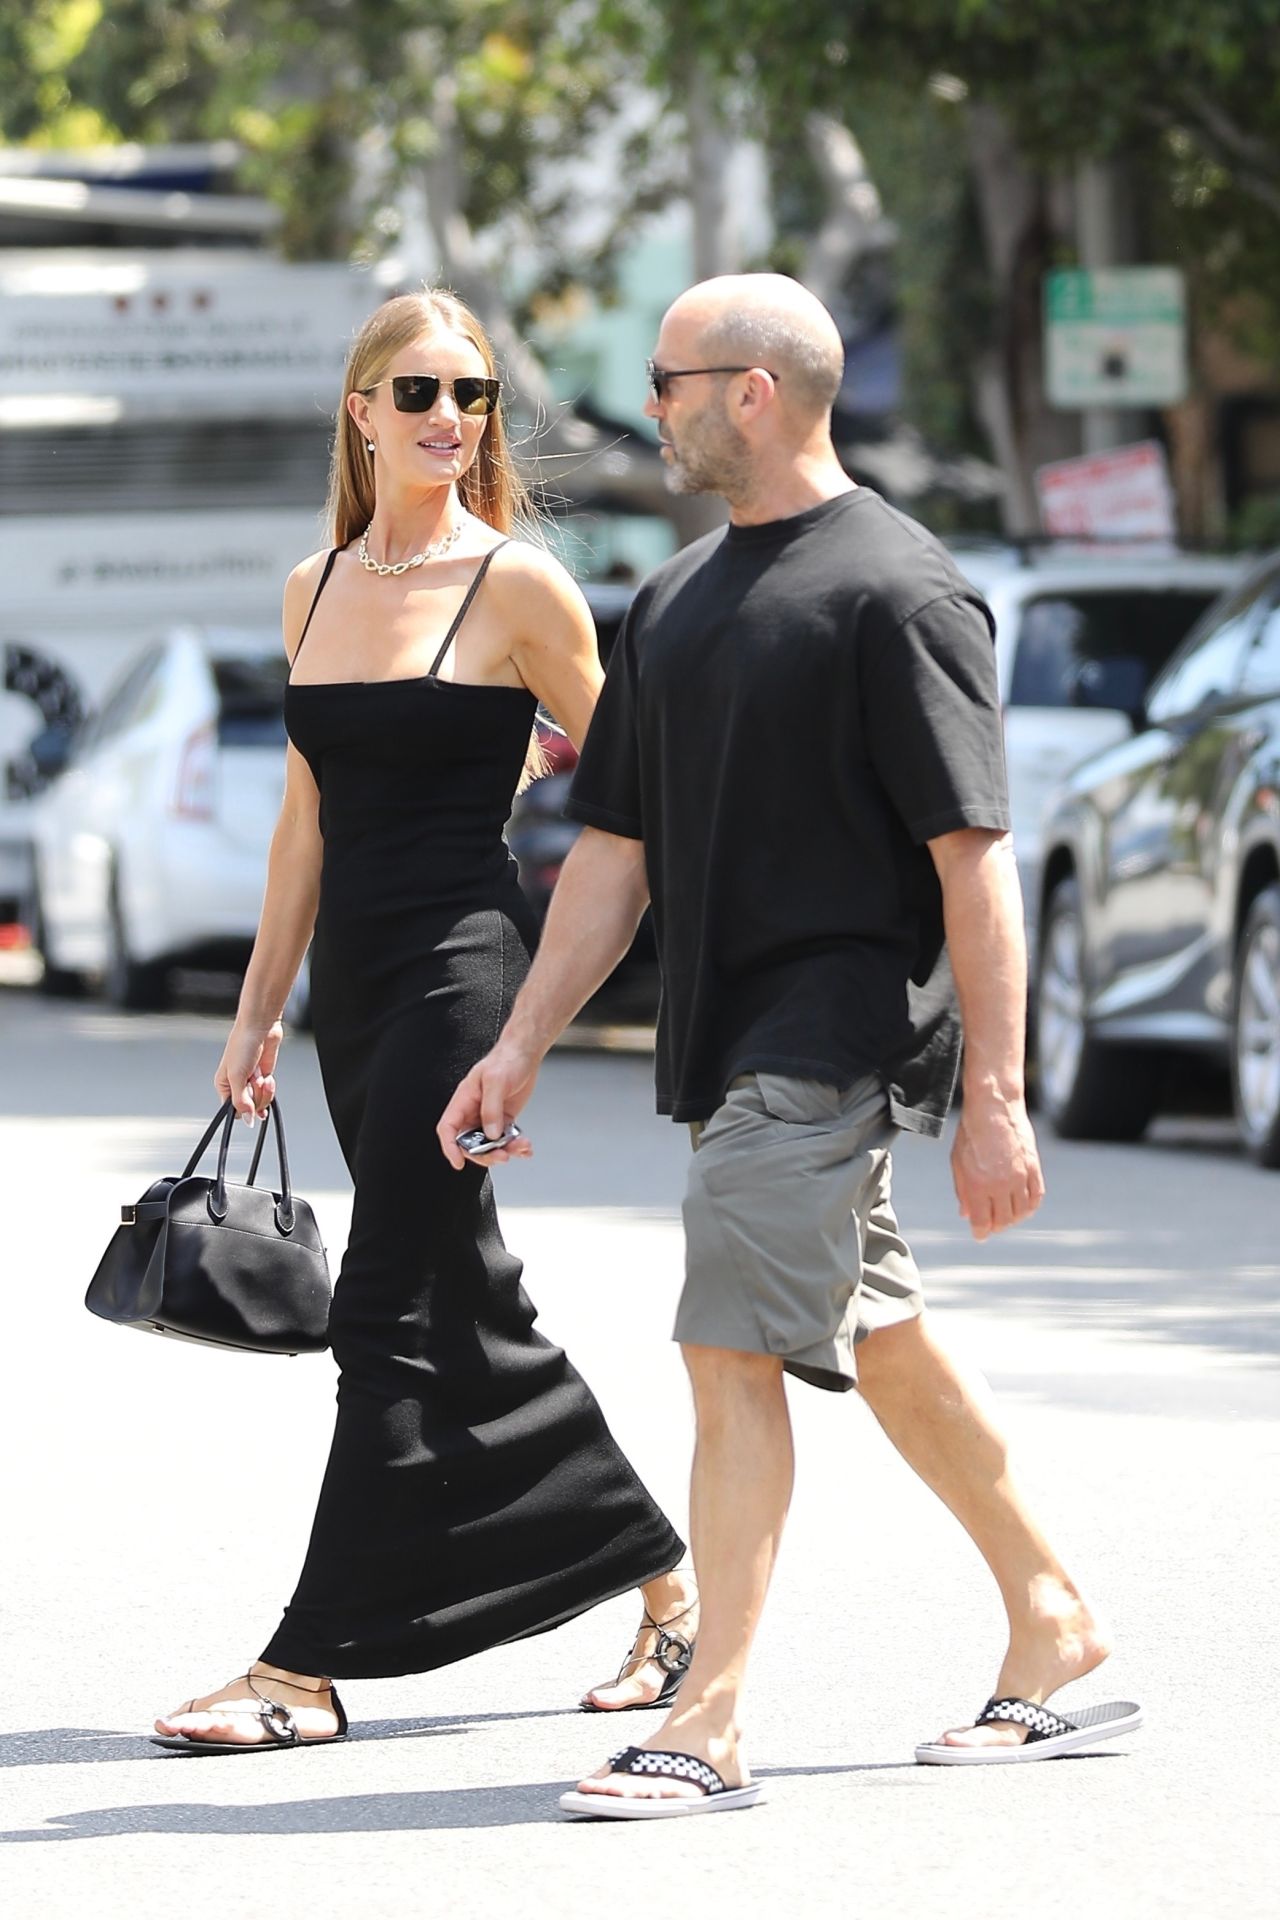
225, 1265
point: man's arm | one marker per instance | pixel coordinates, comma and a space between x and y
595, 910
994, 1162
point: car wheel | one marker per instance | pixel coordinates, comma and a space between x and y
1255, 1048
1089, 1091
134, 986
59, 983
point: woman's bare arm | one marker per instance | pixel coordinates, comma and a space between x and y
553, 637
246, 1071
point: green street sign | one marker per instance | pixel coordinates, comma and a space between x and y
1116, 337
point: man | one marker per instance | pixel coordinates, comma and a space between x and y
798, 753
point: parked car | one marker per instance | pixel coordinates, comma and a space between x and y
1160, 894
1079, 636
149, 849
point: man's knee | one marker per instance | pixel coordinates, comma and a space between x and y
720, 1372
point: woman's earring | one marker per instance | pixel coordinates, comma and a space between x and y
371, 446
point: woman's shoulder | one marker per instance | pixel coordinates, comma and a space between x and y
308, 571
528, 576
299, 591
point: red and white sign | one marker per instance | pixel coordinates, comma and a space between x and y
1123, 494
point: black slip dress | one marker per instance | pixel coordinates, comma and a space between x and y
473, 1493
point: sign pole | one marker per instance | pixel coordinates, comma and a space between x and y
1104, 239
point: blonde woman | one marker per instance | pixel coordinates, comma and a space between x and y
473, 1493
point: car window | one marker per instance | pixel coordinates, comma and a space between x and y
1208, 667
1089, 648
132, 698
1261, 670
251, 701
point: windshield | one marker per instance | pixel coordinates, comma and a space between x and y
1085, 648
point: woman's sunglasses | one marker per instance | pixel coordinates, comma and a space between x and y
418, 392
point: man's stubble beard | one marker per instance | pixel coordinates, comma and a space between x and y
715, 459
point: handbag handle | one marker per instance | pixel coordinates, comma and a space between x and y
224, 1112
217, 1201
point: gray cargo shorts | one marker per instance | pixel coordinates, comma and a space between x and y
792, 1247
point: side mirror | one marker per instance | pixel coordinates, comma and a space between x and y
51, 750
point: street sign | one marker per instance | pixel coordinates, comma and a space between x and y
1116, 337
1121, 495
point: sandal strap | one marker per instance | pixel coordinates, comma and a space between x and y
296, 1686
670, 1662
1038, 1721
645, 1762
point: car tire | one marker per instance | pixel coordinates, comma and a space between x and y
1089, 1091
132, 985
1255, 1030
56, 983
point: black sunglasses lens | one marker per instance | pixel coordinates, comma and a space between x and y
414, 392
476, 396
656, 378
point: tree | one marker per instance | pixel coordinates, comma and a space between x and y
1184, 100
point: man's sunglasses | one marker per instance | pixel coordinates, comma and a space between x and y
418, 392
659, 376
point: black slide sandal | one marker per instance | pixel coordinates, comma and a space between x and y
645, 1763
1048, 1734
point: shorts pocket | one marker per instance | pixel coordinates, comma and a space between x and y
798, 1102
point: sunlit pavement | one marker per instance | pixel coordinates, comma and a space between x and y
158, 1499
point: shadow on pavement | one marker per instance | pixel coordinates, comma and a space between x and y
529, 1804
90, 1746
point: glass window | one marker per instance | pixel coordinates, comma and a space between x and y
1261, 673
1099, 648
251, 700
128, 700
1208, 667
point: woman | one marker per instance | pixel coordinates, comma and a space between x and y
473, 1494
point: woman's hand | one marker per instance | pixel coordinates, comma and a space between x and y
246, 1071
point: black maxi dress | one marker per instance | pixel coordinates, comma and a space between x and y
473, 1494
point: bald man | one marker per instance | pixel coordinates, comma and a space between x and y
798, 756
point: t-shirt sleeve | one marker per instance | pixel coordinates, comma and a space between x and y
606, 786
931, 705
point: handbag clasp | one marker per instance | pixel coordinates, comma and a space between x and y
128, 1216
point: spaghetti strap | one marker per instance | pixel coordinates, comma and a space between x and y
458, 618
324, 581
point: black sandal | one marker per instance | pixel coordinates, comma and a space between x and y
673, 1653
280, 1725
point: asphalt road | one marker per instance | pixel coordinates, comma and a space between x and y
157, 1500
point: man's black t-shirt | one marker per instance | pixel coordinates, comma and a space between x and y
791, 711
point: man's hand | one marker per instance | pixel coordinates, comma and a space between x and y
995, 1164
491, 1096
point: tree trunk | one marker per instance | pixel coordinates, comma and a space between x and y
854, 222
1020, 218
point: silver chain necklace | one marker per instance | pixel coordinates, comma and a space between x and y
432, 552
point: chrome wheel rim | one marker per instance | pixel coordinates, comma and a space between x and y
1060, 1010
1258, 1033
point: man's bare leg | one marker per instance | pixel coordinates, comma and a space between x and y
743, 1466
941, 1418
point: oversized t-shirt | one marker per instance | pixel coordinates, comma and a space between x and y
791, 712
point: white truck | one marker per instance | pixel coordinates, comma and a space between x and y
165, 420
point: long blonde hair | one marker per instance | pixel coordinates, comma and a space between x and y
491, 488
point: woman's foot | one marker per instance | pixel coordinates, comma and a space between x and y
234, 1713
662, 1646
1059, 1640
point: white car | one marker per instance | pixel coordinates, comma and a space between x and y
1080, 635
150, 849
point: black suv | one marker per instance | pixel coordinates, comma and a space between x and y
1159, 907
